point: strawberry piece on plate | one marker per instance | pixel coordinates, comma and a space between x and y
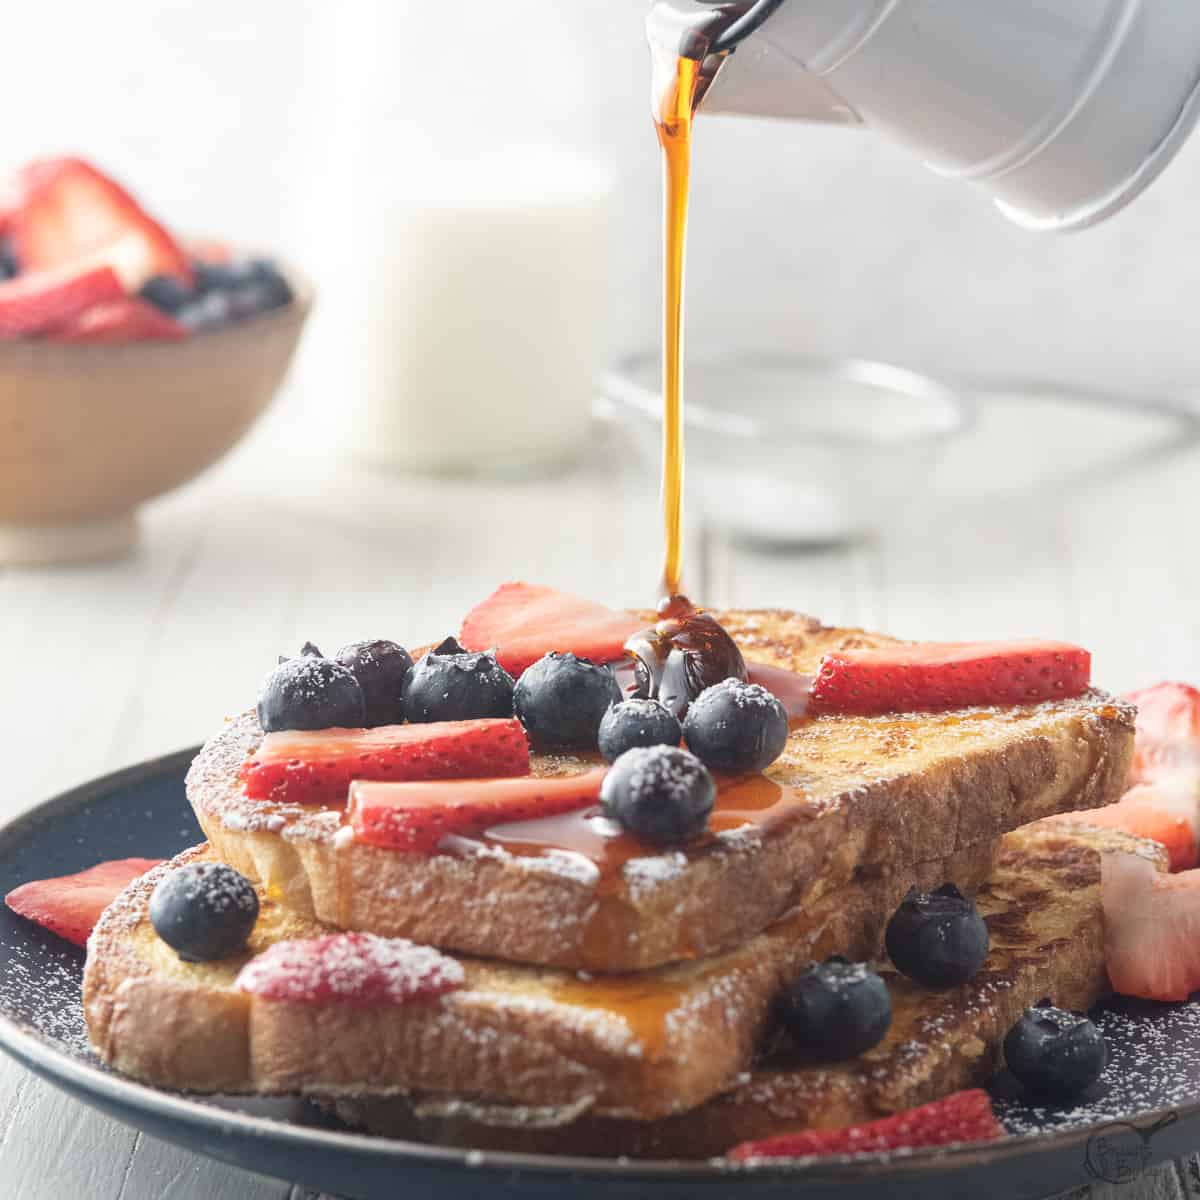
70, 212
126, 320
1166, 811
1168, 730
354, 970
1151, 928
70, 905
931, 676
961, 1117
416, 816
37, 301
524, 621
318, 767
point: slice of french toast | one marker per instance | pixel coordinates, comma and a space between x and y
642, 1045
1043, 911
849, 795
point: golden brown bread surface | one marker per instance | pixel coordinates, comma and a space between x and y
864, 794
1042, 906
640, 1045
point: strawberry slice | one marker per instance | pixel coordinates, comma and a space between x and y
961, 1117
70, 212
1168, 730
1151, 928
70, 905
938, 675
352, 970
126, 320
1167, 812
318, 767
524, 621
416, 816
37, 301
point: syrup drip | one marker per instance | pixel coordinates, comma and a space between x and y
754, 800
684, 653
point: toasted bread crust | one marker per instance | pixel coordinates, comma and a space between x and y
1044, 915
640, 1046
880, 792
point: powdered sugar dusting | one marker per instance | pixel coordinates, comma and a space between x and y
350, 968
748, 697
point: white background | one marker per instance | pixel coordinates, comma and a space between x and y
283, 122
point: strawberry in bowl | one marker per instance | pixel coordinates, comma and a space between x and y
130, 359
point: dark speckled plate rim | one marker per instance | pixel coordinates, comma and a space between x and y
39, 1052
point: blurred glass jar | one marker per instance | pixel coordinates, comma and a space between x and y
483, 327
792, 450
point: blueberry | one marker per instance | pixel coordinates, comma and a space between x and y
204, 911
736, 726
662, 794
307, 649
9, 267
380, 668
451, 684
262, 289
217, 277
1054, 1053
212, 310
637, 723
562, 699
310, 693
167, 293
836, 1009
937, 938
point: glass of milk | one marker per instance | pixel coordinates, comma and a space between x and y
480, 332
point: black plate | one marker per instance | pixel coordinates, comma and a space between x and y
1147, 1109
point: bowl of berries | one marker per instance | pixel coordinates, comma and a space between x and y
130, 359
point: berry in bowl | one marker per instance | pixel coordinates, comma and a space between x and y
130, 359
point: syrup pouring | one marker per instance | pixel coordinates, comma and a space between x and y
687, 650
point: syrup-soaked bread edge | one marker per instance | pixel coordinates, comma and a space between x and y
509, 1036
1063, 756
1055, 869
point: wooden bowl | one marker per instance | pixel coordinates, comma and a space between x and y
88, 432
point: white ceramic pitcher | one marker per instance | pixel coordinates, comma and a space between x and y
1063, 110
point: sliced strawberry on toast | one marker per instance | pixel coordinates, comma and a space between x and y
416, 816
1166, 811
961, 1117
128, 319
70, 212
318, 767
38, 301
355, 970
70, 905
1168, 731
524, 621
933, 676
1151, 928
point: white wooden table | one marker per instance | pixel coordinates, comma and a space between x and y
107, 665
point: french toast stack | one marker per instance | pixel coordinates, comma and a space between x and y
613, 997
